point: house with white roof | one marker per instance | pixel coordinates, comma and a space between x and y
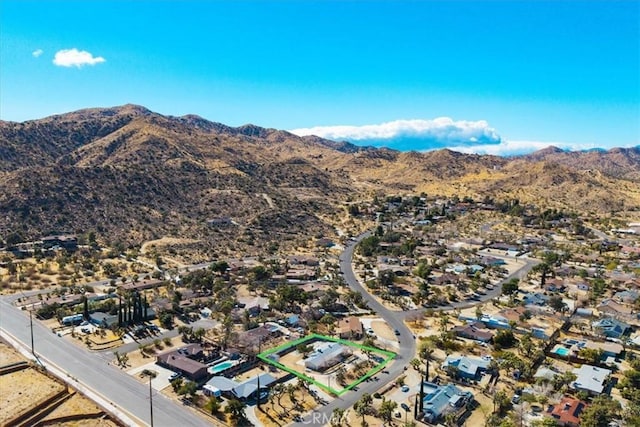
326, 357
590, 379
219, 385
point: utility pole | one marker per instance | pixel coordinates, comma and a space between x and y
31, 327
150, 400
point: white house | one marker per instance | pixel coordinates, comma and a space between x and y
326, 357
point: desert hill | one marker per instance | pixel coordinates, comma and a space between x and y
132, 175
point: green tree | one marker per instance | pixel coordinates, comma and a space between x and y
188, 388
544, 422
592, 355
510, 287
501, 402
386, 410
235, 409
526, 345
336, 417
557, 304
504, 339
363, 406
601, 412
213, 405
176, 384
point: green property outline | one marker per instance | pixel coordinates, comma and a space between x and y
264, 356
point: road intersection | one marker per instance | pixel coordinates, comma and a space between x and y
121, 392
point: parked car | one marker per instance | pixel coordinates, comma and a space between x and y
397, 332
515, 399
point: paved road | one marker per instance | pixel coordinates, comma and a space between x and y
91, 370
407, 343
527, 265
395, 320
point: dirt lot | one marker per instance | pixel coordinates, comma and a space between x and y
36, 387
281, 411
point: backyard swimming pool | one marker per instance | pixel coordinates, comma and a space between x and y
561, 351
215, 369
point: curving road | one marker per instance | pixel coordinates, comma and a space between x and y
406, 340
395, 320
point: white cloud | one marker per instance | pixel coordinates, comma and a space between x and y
442, 131
75, 58
36, 53
513, 148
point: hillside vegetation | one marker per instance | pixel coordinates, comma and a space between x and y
133, 175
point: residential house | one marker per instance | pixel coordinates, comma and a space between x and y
535, 299
555, 285
567, 412
244, 390
628, 296
300, 274
473, 331
441, 400
610, 327
492, 261
349, 328
614, 309
495, 321
103, 320
258, 336
141, 286
326, 356
590, 379
609, 349
62, 241
466, 367
546, 373
184, 361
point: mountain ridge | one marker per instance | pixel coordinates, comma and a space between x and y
134, 175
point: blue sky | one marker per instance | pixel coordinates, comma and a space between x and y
499, 77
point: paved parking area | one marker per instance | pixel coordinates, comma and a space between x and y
160, 381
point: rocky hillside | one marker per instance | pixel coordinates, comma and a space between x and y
134, 175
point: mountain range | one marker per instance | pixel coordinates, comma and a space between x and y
131, 175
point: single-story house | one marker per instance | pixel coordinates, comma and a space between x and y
440, 400
327, 356
590, 379
466, 367
473, 331
349, 328
628, 296
535, 299
610, 327
613, 308
495, 321
244, 390
546, 373
567, 412
183, 360
609, 349
103, 320
260, 335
